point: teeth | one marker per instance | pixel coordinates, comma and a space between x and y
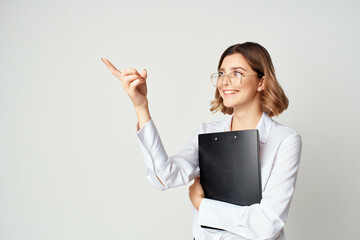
229, 92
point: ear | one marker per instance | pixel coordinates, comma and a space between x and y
261, 84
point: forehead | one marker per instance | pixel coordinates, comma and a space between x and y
234, 60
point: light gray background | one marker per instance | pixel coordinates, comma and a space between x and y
70, 163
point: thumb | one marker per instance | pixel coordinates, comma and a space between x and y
143, 73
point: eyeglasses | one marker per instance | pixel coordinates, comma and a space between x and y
235, 78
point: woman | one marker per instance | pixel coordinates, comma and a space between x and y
246, 89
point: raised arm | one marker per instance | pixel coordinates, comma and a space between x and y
134, 85
175, 170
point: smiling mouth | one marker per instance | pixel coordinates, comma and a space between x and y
230, 92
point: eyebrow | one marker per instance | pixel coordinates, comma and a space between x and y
233, 68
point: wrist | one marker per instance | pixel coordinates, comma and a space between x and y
140, 108
143, 115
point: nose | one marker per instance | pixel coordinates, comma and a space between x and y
228, 82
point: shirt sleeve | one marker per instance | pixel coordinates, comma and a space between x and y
263, 220
173, 171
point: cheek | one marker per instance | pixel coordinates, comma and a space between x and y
249, 88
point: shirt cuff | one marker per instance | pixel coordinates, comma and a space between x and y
138, 127
218, 214
150, 141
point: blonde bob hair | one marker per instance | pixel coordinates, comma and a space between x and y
272, 99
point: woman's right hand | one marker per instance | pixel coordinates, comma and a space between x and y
132, 82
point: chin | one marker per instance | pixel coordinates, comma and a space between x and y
231, 104
227, 105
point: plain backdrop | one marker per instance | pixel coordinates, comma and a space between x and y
70, 162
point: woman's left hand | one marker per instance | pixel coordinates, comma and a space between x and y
196, 193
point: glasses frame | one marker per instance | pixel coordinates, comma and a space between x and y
230, 81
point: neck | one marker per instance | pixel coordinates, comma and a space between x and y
245, 118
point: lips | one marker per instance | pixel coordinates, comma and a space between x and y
230, 90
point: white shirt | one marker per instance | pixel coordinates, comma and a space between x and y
280, 150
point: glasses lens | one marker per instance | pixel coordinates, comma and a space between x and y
214, 79
235, 78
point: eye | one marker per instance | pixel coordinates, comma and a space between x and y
239, 74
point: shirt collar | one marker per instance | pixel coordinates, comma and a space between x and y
263, 126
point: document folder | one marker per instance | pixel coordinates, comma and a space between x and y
230, 167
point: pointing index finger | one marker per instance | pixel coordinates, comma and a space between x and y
112, 68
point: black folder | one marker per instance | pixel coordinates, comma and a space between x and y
230, 167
